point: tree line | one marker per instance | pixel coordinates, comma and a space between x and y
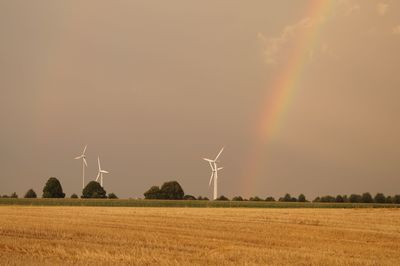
172, 190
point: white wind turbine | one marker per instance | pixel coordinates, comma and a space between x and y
214, 172
83, 157
101, 172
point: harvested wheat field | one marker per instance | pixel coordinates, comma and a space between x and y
198, 236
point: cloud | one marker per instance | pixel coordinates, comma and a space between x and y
396, 30
382, 8
274, 45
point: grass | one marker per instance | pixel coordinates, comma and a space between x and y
32, 235
185, 203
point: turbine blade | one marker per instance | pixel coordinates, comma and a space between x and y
98, 175
104, 172
79, 157
208, 160
84, 160
212, 167
220, 168
84, 150
216, 158
211, 178
98, 161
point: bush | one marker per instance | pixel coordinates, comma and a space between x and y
94, 190
222, 198
30, 194
74, 196
202, 198
112, 196
339, 198
302, 198
189, 197
153, 193
255, 199
380, 198
367, 198
172, 190
14, 195
355, 198
237, 198
270, 199
5, 196
53, 189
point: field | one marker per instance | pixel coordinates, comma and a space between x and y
185, 203
33, 235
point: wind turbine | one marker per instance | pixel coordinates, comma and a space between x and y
101, 172
214, 172
83, 157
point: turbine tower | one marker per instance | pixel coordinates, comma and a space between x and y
84, 163
101, 172
214, 172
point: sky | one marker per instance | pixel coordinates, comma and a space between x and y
303, 95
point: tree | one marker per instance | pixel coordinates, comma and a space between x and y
339, 198
237, 198
112, 196
153, 193
189, 197
327, 198
222, 198
53, 189
380, 198
317, 199
367, 198
396, 199
30, 194
94, 190
355, 198
14, 195
256, 198
286, 198
302, 198
172, 190
389, 199
270, 199
74, 196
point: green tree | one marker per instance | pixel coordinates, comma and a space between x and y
302, 198
270, 199
172, 190
237, 198
367, 198
14, 195
328, 198
355, 198
74, 196
339, 198
30, 194
112, 196
53, 189
153, 193
222, 198
380, 198
94, 190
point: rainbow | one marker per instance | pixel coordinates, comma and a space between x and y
284, 87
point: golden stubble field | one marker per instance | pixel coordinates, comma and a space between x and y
198, 236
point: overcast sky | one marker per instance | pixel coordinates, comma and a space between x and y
154, 86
